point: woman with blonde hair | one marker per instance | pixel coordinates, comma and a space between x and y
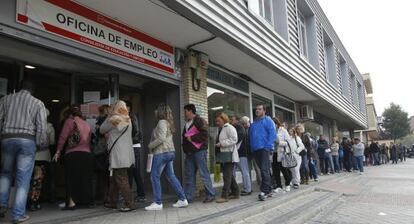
117, 128
227, 155
162, 147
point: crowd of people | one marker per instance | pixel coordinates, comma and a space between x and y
111, 152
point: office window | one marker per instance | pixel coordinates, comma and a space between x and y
303, 42
266, 10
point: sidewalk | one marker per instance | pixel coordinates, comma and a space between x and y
196, 212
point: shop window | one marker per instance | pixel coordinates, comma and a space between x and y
282, 102
256, 100
285, 116
223, 100
303, 40
330, 60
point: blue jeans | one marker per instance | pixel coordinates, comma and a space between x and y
377, 158
360, 163
243, 165
262, 159
329, 163
336, 163
19, 154
161, 161
193, 162
312, 169
355, 163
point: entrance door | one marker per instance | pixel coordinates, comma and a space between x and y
93, 90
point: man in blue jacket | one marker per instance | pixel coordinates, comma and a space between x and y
262, 137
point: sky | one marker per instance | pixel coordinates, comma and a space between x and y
379, 37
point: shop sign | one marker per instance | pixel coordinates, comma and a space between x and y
73, 21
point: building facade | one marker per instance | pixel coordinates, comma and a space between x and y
220, 55
372, 132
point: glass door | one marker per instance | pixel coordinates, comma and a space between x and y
91, 91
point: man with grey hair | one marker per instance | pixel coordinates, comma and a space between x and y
245, 122
243, 150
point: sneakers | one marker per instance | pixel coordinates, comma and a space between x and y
296, 186
21, 220
140, 199
278, 190
154, 207
316, 180
181, 204
287, 188
360, 173
262, 196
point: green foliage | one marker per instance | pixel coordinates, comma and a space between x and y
407, 140
396, 121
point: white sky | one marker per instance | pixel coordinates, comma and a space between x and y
379, 38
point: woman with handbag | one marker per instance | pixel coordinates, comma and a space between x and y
227, 155
75, 137
277, 168
117, 128
295, 146
163, 150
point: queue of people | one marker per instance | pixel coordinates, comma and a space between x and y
111, 151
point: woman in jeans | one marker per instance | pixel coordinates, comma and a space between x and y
282, 137
162, 147
78, 160
335, 154
117, 128
226, 144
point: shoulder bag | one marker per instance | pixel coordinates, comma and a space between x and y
74, 136
289, 160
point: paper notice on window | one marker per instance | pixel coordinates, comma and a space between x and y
138, 145
91, 96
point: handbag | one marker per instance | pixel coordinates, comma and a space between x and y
224, 157
74, 136
289, 160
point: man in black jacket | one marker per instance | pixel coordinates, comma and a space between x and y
243, 150
195, 145
375, 150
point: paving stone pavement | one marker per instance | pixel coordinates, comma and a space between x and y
386, 196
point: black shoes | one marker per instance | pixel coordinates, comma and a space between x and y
244, 193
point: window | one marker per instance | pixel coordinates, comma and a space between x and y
256, 100
344, 77
285, 116
330, 62
221, 99
303, 42
266, 10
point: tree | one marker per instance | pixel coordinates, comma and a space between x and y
396, 121
407, 140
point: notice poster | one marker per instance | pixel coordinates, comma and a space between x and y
91, 96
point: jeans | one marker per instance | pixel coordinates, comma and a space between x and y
243, 165
312, 169
336, 163
160, 162
229, 181
193, 162
355, 163
329, 163
17, 158
262, 159
304, 169
377, 158
134, 173
360, 163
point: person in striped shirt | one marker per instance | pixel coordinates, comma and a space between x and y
22, 127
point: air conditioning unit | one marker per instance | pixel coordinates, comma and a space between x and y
306, 112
